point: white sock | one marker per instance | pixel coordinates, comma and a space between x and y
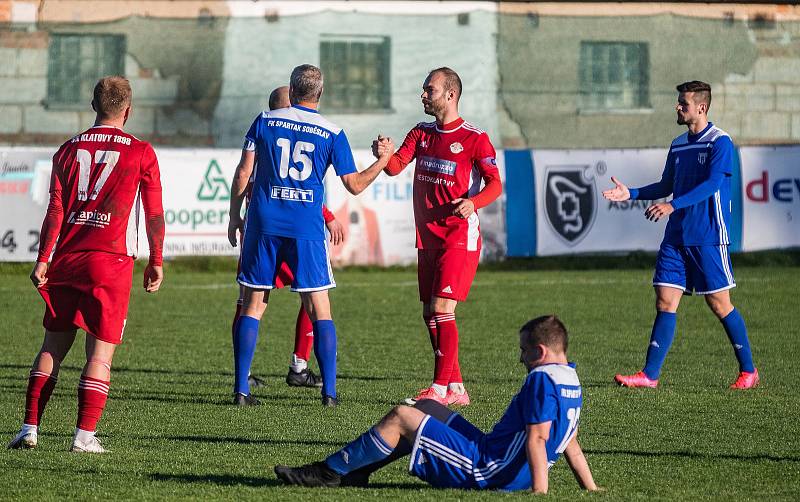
440, 389
84, 436
458, 388
30, 429
297, 365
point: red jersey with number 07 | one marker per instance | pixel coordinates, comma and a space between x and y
97, 181
451, 161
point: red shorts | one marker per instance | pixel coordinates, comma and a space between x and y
88, 290
446, 273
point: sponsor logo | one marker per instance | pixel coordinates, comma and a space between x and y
456, 147
701, 158
447, 289
288, 193
437, 165
570, 203
91, 218
571, 393
423, 144
783, 189
214, 185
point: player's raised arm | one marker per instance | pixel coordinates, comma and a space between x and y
244, 170
355, 183
537, 436
153, 220
580, 467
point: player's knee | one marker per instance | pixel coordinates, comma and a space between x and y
667, 304
720, 306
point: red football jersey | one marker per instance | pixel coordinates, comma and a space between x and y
97, 181
450, 164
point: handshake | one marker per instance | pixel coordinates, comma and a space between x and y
382, 147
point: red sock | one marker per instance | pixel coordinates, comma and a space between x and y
235, 320
431, 325
455, 376
40, 388
303, 335
447, 352
92, 395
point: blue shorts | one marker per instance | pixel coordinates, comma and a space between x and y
702, 269
444, 454
263, 254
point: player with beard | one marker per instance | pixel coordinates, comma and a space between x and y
694, 253
452, 158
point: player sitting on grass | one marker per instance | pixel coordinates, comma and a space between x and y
449, 452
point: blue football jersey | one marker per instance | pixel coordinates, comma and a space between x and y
294, 148
693, 159
551, 393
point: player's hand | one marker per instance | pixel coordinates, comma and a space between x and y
657, 211
39, 274
235, 223
337, 232
463, 208
619, 193
153, 275
385, 147
375, 146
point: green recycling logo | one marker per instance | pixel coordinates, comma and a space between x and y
214, 185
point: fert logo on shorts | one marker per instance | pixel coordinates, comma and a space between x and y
294, 194
570, 202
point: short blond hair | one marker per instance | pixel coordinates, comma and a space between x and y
112, 95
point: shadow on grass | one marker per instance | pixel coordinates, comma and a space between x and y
217, 479
693, 455
239, 440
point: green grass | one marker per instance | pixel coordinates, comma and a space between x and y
174, 436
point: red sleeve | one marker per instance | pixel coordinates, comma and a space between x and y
404, 154
485, 161
51, 226
150, 189
327, 215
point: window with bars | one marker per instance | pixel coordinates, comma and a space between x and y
614, 76
357, 73
77, 61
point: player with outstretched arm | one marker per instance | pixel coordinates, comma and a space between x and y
694, 253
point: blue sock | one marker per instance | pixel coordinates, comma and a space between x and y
368, 448
660, 341
737, 334
325, 351
244, 346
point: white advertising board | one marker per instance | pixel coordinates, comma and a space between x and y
770, 197
379, 223
571, 214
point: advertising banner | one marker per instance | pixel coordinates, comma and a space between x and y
771, 197
379, 223
571, 214
24, 184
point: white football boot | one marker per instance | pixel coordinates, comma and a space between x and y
24, 440
92, 445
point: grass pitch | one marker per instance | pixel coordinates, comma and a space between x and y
173, 434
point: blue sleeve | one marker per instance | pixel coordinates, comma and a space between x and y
721, 165
341, 156
660, 189
539, 399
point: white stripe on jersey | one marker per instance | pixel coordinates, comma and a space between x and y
473, 127
450, 130
723, 230
690, 147
443, 452
132, 231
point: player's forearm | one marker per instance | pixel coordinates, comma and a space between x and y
537, 463
358, 182
653, 191
327, 215
238, 189
395, 165
490, 192
580, 467
699, 193
154, 224
51, 226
